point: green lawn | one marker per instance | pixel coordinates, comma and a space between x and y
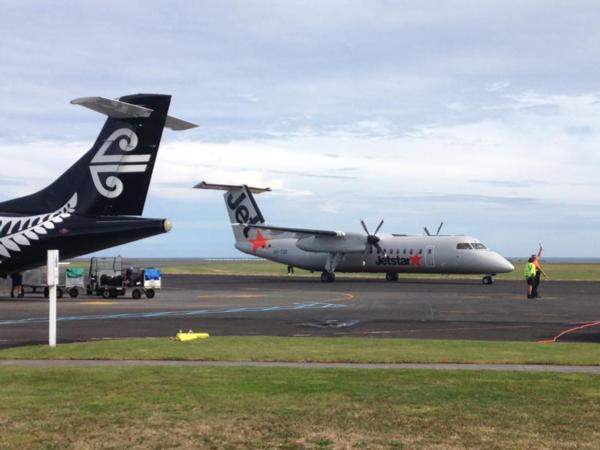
563, 272
342, 349
176, 407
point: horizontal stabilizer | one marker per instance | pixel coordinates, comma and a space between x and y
118, 109
229, 187
304, 231
176, 124
113, 108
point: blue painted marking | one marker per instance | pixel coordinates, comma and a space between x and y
193, 312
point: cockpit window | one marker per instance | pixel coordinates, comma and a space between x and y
463, 246
478, 246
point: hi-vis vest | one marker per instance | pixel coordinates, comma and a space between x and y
529, 270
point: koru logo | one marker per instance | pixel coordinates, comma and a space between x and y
242, 213
103, 163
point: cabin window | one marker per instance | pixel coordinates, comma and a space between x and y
463, 246
429, 251
404, 251
420, 251
410, 252
478, 246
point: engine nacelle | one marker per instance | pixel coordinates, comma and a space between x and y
349, 243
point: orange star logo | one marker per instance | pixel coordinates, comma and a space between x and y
258, 242
415, 260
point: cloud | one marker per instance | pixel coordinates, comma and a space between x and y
497, 86
404, 110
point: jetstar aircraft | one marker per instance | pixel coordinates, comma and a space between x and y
92, 205
331, 251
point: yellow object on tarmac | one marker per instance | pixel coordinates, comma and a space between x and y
190, 336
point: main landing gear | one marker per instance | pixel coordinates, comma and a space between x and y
333, 259
487, 279
391, 276
327, 277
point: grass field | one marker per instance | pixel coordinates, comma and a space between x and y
556, 271
314, 349
148, 408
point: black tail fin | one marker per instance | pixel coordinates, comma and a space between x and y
113, 177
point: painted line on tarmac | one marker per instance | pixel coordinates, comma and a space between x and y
99, 303
181, 313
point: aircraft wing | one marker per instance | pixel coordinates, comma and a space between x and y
300, 231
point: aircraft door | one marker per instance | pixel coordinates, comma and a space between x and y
429, 256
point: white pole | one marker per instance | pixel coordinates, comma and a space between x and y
52, 283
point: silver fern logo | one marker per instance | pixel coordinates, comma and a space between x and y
116, 164
17, 232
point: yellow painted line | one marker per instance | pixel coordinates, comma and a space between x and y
346, 296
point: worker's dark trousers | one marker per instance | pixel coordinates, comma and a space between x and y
536, 283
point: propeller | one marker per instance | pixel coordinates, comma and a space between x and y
372, 239
439, 228
437, 233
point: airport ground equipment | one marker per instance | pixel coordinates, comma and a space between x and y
143, 281
34, 282
74, 280
190, 336
105, 277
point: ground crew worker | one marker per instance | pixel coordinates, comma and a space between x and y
529, 273
17, 284
538, 272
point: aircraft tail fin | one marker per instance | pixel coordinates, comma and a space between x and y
240, 205
113, 177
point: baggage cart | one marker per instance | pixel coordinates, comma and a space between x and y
105, 277
74, 280
143, 281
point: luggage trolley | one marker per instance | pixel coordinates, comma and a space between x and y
143, 281
34, 282
105, 277
74, 280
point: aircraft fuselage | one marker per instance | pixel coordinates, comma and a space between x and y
402, 254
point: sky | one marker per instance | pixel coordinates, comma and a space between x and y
483, 115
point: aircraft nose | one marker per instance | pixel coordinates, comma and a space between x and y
502, 264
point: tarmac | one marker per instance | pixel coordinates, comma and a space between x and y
297, 306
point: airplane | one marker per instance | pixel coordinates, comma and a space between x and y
92, 206
338, 251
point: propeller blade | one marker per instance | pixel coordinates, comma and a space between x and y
426, 231
439, 228
378, 227
378, 247
364, 255
364, 227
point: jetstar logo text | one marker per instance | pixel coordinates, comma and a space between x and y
414, 260
242, 211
